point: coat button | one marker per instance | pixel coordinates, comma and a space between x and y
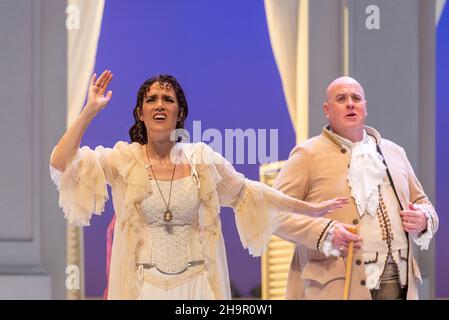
343, 150
358, 262
355, 221
363, 282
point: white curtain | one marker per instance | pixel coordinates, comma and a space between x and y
83, 32
81, 52
287, 22
439, 10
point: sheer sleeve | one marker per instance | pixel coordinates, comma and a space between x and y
254, 203
82, 185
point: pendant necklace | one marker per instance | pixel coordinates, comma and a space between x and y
168, 216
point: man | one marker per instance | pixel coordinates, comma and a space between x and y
388, 206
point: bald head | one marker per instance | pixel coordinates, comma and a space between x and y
342, 81
345, 108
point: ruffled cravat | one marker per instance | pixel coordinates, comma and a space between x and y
365, 175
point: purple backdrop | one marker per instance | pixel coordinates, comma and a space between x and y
220, 52
442, 154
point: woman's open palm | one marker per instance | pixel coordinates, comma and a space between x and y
96, 98
328, 206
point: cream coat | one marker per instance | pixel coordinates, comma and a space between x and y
315, 171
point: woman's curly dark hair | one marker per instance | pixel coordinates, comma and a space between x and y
138, 132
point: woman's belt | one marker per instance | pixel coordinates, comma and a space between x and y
188, 265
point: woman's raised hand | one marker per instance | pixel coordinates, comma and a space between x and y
96, 99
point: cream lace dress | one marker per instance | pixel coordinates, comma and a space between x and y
176, 270
83, 192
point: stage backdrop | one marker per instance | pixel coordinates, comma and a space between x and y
220, 52
442, 153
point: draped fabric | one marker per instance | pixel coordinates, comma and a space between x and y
82, 40
439, 7
287, 22
81, 52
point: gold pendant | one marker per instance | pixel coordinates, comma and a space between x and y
168, 215
149, 174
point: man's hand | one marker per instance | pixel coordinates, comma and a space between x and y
413, 220
342, 237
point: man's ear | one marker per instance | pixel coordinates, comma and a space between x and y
326, 109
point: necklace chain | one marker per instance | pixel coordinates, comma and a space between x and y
167, 215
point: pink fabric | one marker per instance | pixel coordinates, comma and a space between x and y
109, 236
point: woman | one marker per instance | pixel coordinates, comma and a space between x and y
167, 196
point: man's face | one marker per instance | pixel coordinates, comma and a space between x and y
346, 106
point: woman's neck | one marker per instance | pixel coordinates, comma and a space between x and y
159, 150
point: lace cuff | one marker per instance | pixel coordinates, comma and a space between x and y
424, 239
255, 214
327, 247
82, 187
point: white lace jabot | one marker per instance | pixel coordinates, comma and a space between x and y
366, 173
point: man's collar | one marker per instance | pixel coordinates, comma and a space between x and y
339, 141
347, 142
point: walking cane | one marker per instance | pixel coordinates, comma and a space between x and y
354, 230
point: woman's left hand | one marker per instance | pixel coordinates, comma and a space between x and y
328, 206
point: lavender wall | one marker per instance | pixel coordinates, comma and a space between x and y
442, 154
220, 52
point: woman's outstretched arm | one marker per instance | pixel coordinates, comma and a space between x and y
233, 187
70, 141
258, 206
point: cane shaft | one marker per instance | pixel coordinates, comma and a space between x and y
349, 265
348, 270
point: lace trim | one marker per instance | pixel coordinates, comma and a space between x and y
372, 261
82, 188
255, 222
327, 248
209, 223
130, 221
423, 241
322, 234
366, 173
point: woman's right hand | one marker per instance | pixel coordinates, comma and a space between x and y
70, 141
96, 98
